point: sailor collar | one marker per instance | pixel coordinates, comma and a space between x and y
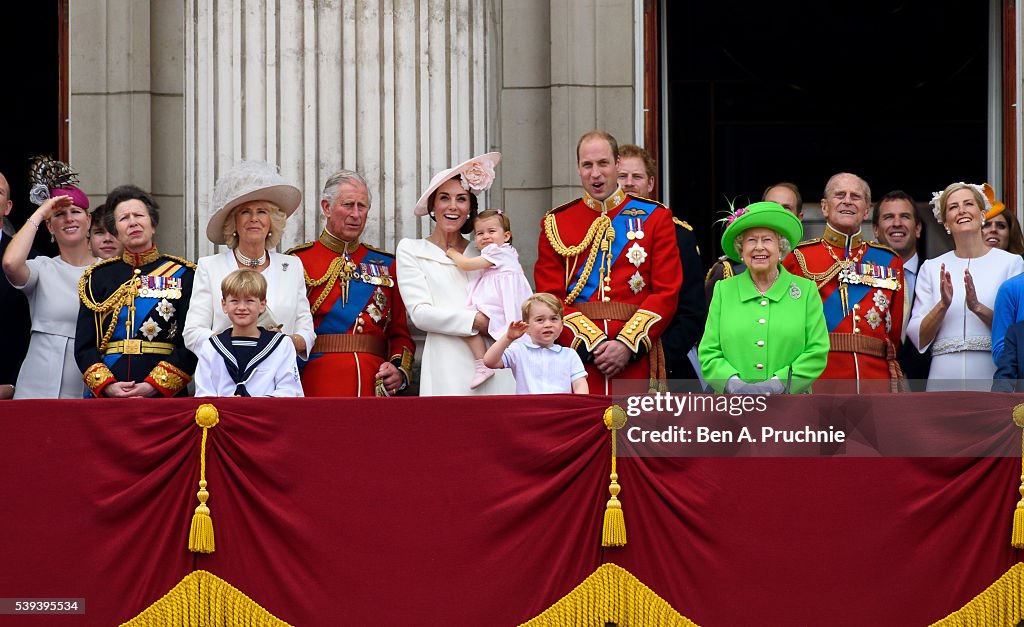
336, 244
604, 206
140, 259
841, 240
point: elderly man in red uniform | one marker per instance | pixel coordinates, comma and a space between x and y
861, 290
363, 346
613, 260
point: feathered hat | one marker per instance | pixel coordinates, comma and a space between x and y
50, 178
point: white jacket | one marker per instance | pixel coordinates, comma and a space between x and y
286, 299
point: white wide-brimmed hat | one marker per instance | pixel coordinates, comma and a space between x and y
247, 181
477, 175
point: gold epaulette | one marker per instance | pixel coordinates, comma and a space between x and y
727, 271
562, 206
808, 242
378, 250
83, 284
634, 333
650, 200
883, 247
584, 329
295, 249
181, 260
682, 223
89, 270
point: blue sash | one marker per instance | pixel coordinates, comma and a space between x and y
833, 305
620, 224
143, 307
341, 318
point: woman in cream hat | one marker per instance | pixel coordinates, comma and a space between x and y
253, 202
434, 288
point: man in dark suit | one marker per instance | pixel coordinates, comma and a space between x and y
14, 320
897, 225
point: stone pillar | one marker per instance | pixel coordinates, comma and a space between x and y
126, 103
566, 67
395, 89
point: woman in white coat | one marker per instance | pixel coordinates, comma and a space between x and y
956, 292
253, 202
434, 289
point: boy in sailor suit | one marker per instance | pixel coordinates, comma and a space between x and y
246, 360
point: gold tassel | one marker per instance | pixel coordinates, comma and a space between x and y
999, 604
1017, 539
613, 532
200, 534
203, 599
611, 594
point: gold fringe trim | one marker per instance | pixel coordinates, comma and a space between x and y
1017, 537
200, 534
1002, 603
610, 595
202, 599
613, 531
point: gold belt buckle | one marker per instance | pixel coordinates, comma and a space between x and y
132, 347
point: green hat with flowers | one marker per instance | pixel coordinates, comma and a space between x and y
770, 215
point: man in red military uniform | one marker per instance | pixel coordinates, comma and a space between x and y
363, 346
613, 260
861, 287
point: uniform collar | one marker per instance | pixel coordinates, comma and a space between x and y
528, 341
336, 244
140, 259
604, 206
841, 240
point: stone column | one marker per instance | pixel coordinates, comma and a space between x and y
395, 89
126, 103
566, 67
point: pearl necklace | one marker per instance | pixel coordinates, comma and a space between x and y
251, 263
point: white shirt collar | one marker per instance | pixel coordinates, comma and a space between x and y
910, 265
528, 341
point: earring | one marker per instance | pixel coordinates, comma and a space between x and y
52, 240
948, 232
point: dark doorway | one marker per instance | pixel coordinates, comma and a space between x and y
797, 91
31, 106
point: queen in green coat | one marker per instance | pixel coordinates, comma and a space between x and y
765, 331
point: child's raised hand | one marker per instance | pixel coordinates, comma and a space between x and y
452, 253
516, 330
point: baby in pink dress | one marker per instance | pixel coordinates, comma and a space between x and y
498, 290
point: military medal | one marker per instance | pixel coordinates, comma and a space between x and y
636, 282
165, 309
636, 254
